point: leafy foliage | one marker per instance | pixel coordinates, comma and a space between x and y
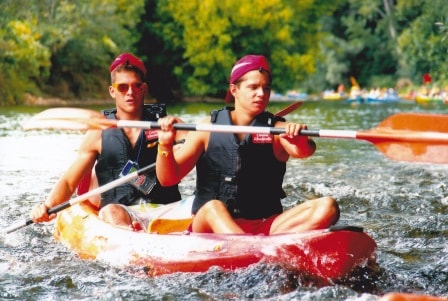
425, 51
213, 34
63, 48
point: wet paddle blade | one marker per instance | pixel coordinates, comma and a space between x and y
424, 137
422, 122
69, 119
415, 152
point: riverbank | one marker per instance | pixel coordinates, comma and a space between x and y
32, 100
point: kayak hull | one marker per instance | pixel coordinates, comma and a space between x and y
323, 254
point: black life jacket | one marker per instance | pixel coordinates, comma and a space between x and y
116, 150
245, 175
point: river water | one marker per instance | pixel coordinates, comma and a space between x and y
402, 205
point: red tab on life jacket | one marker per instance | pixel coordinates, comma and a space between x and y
262, 138
151, 134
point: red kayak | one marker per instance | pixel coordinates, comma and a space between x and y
327, 255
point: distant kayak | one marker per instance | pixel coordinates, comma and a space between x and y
424, 99
328, 254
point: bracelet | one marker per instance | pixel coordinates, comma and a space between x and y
164, 152
165, 144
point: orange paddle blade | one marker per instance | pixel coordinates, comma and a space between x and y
422, 122
420, 137
410, 150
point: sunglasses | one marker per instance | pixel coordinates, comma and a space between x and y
123, 88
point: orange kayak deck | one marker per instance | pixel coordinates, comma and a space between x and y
323, 254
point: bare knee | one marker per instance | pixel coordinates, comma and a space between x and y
115, 214
201, 220
213, 216
329, 209
110, 209
212, 207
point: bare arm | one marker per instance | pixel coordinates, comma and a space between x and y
291, 143
171, 166
180, 135
66, 185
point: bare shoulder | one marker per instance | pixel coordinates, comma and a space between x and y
91, 141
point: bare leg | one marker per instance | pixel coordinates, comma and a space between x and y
214, 217
314, 214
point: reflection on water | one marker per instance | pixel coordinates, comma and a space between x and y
402, 205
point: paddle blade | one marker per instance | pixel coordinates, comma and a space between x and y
415, 151
69, 119
421, 122
418, 137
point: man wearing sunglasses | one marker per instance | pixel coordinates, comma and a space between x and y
115, 152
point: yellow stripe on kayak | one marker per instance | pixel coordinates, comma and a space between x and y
165, 226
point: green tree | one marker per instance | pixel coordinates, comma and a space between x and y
23, 58
83, 37
362, 43
423, 49
212, 35
64, 47
162, 56
381, 41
